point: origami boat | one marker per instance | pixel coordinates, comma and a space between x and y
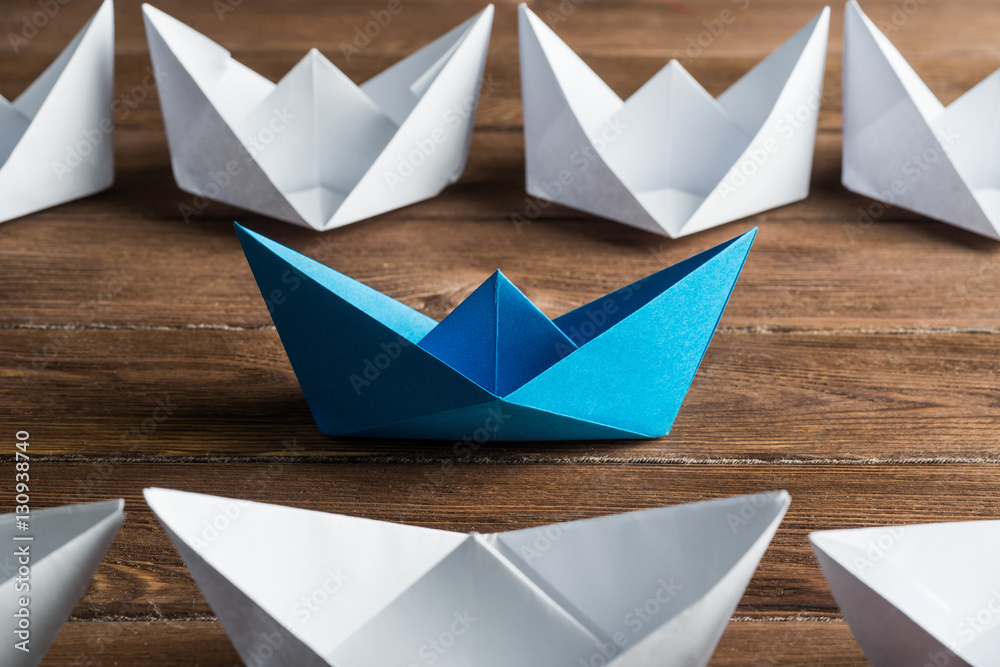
904, 148
653, 587
671, 159
496, 368
918, 595
56, 138
48, 566
315, 149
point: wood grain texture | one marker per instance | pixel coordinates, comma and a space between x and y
856, 365
143, 576
775, 396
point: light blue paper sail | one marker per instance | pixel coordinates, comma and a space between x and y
496, 368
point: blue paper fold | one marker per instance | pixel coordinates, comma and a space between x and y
496, 368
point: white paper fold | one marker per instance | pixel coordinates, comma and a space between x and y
646, 588
903, 147
57, 138
918, 595
671, 159
315, 149
68, 544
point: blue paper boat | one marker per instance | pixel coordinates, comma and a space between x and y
496, 368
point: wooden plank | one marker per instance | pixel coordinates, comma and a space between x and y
802, 274
204, 644
759, 396
143, 577
633, 28
845, 345
857, 276
815, 265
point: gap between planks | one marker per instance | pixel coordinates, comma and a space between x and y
202, 618
856, 331
520, 460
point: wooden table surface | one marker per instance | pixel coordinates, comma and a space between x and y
856, 365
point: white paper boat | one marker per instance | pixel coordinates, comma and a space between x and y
297, 587
315, 149
903, 147
57, 137
670, 159
66, 546
918, 595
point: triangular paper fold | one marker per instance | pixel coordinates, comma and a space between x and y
496, 368
670, 159
650, 587
921, 594
904, 148
57, 138
315, 149
61, 547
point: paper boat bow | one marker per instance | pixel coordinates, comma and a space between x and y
315, 149
905, 148
56, 138
918, 595
496, 368
654, 587
65, 548
671, 159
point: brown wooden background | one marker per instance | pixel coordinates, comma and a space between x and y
857, 370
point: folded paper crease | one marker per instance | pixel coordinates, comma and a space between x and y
66, 547
315, 149
904, 148
539, 597
920, 594
671, 159
57, 137
496, 368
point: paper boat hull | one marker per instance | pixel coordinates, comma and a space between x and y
924, 594
644, 588
68, 545
365, 370
65, 122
